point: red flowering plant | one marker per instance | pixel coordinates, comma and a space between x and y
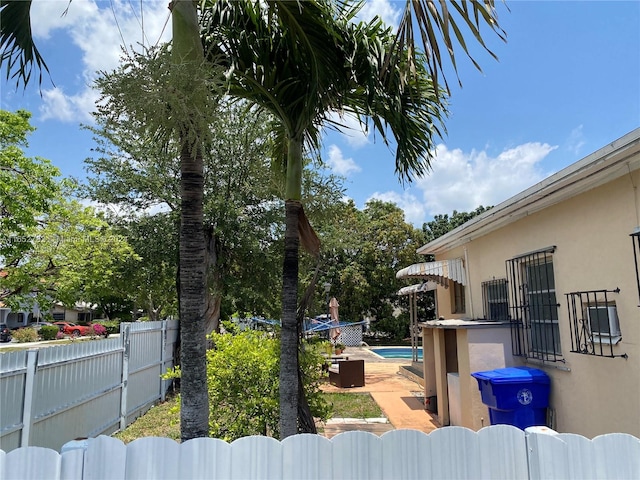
99, 330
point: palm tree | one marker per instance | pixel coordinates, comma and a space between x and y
188, 54
301, 62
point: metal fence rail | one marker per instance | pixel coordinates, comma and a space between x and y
52, 395
497, 452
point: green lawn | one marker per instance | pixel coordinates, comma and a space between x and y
163, 420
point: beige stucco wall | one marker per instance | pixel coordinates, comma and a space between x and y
464, 350
590, 395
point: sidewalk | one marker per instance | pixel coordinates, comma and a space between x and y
399, 397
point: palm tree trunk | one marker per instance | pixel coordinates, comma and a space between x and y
194, 406
289, 333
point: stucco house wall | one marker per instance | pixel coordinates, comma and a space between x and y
590, 395
590, 229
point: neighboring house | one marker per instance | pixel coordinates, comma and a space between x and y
81, 312
549, 279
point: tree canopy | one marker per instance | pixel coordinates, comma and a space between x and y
53, 248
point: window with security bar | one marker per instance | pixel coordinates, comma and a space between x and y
595, 327
495, 300
533, 304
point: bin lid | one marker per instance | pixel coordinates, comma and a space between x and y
513, 375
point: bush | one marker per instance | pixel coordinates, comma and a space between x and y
48, 332
99, 330
242, 373
24, 335
112, 326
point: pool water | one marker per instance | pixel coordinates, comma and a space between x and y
396, 352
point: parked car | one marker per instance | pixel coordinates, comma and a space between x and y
73, 329
5, 333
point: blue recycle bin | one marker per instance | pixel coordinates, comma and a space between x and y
517, 396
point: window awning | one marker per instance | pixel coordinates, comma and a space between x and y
438, 272
418, 287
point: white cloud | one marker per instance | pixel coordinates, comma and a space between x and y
340, 165
463, 181
99, 29
350, 128
414, 209
576, 140
382, 8
67, 108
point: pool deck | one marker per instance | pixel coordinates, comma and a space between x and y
393, 384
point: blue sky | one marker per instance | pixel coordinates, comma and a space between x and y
566, 84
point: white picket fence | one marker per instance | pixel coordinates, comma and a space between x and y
495, 452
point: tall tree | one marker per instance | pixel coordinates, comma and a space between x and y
302, 61
27, 185
362, 250
442, 223
240, 205
51, 248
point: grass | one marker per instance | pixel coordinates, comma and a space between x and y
353, 405
163, 419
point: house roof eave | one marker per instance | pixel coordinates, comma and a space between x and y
606, 164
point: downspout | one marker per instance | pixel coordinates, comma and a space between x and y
468, 275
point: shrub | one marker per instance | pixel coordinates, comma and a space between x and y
112, 326
49, 332
242, 373
24, 335
99, 330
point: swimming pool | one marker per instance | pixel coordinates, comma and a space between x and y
396, 352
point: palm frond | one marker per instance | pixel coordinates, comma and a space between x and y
436, 20
19, 53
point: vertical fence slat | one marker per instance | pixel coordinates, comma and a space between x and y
455, 453
405, 454
307, 457
126, 343
357, 456
547, 457
256, 458
105, 458
617, 456
32, 463
511, 463
205, 458
3, 464
581, 459
72, 463
153, 458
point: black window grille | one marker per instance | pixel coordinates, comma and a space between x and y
595, 327
495, 299
533, 305
635, 239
